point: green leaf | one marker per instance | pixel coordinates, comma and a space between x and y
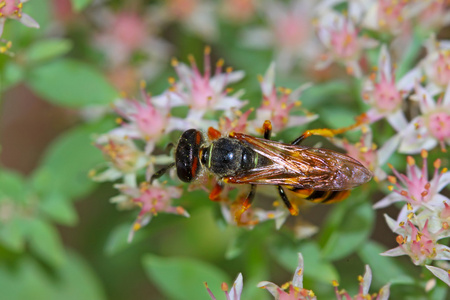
47, 49
316, 267
45, 242
409, 56
183, 278
59, 208
384, 268
12, 187
71, 83
28, 280
67, 162
12, 74
347, 228
118, 239
79, 5
12, 234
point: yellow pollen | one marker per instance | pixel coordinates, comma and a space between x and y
207, 50
92, 173
220, 63
410, 160
410, 215
136, 227
445, 225
224, 287
286, 285
409, 206
287, 91
171, 80
392, 179
228, 90
298, 103
424, 153
276, 203
191, 58
270, 215
300, 271
335, 283
174, 62
229, 69
260, 78
390, 188
390, 166
119, 120
360, 278
2, 4
142, 84
283, 106
399, 239
416, 126
444, 170
364, 149
418, 237
401, 224
180, 210
437, 163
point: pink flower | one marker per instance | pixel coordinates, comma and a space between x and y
292, 290
436, 65
123, 158
416, 188
234, 293
203, 93
391, 16
237, 123
12, 9
363, 293
440, 273
366, 152
152, 199
418, 242
431, 127
341, 38
145, 121
277, 106
385, 94
290, 31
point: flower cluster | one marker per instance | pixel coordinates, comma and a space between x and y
424, 219
294, 290
132, 149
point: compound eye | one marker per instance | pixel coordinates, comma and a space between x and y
187, 155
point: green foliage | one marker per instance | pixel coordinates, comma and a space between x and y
346, 229
183, 278
27, 279
79, 5
57, 80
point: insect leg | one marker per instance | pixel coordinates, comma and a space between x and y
246, 203
169, 147
267, 127
213, 134
292, 209
216, 191
161, 172
325, 132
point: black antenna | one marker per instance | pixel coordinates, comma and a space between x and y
161, 172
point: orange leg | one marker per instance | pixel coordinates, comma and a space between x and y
216, 191
245, 205
213, 134
325, 132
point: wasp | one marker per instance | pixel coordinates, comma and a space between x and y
315, 174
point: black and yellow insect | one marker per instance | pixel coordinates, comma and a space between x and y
315, 174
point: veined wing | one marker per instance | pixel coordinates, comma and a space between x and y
301, 167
